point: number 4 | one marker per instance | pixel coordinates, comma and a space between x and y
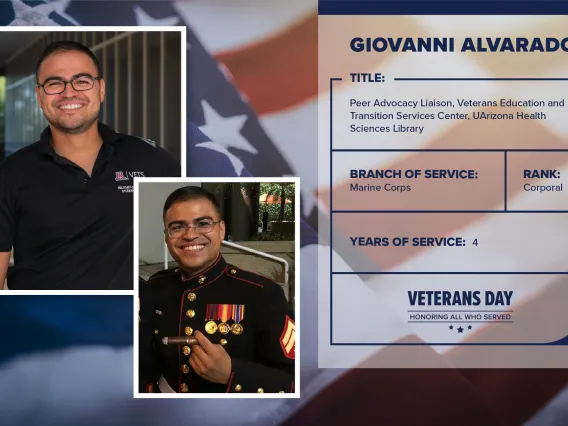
475, 242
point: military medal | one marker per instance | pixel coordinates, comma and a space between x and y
224, 313
237, 329
211, 327
210, 316
237, 315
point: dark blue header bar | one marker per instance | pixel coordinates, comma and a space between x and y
417, 7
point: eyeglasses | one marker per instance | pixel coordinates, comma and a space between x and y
176, 230
79, 84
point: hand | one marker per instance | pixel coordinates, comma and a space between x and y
210, 361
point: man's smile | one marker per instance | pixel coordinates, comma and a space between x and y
193, 247
71, 106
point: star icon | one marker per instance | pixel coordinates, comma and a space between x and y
142, 19
28, 15
469, 327
226, 131
235, 161
460, 330
451, 327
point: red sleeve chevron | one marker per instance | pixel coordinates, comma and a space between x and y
288, 339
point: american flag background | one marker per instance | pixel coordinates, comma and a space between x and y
252, 110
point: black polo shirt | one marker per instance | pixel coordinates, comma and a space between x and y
69, 230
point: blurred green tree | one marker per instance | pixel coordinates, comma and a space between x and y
278, 199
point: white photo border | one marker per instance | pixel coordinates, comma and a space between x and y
297, 284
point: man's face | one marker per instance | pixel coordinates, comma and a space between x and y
194, 250
71, 111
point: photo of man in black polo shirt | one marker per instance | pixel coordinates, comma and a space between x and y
66, 202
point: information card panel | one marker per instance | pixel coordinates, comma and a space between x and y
443, 145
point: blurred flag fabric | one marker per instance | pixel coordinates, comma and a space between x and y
252, 95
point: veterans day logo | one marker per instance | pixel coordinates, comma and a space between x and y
454, 318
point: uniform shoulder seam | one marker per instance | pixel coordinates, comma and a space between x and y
258, 275
249, 277
162, 274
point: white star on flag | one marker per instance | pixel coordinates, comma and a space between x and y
143, 19
60, 6
226, 131
235, 161
33, 16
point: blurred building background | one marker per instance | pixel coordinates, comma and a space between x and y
259, 217
142, 71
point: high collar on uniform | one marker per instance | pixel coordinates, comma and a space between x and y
108, 135
205, 277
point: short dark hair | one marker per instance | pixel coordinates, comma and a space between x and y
67, 46
189, 193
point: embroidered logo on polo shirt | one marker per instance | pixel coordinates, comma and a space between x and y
126, 189
120, 176
127, 175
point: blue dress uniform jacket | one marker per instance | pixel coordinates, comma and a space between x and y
246, 313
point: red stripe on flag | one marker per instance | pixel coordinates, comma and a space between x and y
281, 71
278, 72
